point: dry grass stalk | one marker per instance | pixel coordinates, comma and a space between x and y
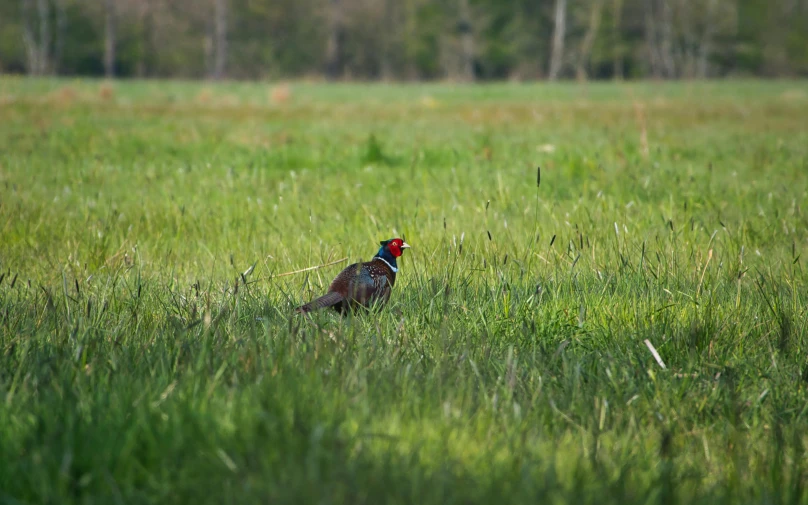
639, 111
308, 269
106, 91
280, 94
654, 353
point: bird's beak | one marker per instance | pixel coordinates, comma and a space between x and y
405, 245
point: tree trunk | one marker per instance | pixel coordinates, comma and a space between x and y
210, 46
589, 39
388, 27
333, 50
220, 38
685, 51
43, 9
705, 48
61, 29
617, 51
666, 40
31, 48
651, 40
109, 38
466, 43
557, 51
145, 14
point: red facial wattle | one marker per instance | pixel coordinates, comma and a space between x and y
396, 247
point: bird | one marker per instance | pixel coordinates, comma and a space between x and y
362, 284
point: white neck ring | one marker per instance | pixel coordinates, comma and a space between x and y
394, 269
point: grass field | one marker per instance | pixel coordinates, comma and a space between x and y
139, 364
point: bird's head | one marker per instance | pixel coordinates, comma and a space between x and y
395, 247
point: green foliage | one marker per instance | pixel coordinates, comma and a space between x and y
374, 153
141, 361
409, 39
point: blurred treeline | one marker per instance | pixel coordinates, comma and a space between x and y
405, 39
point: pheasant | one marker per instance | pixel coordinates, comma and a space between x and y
362, 284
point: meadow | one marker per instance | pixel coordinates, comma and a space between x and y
151, 235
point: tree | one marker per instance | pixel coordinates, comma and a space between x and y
37, 45
412, 39
336, 35
145, 36
658, 33
559, 28
617, 43
466, 33
109, 38
388, 26
706, 45
595, 9
61, 29
220, 38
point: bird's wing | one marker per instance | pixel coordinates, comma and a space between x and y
341, 282
380, 276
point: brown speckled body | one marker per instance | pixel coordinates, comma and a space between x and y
362, 284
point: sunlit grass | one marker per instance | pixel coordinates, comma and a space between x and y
139, 363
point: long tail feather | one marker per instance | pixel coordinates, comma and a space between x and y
327, 300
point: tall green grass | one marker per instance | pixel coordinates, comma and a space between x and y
139, 363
